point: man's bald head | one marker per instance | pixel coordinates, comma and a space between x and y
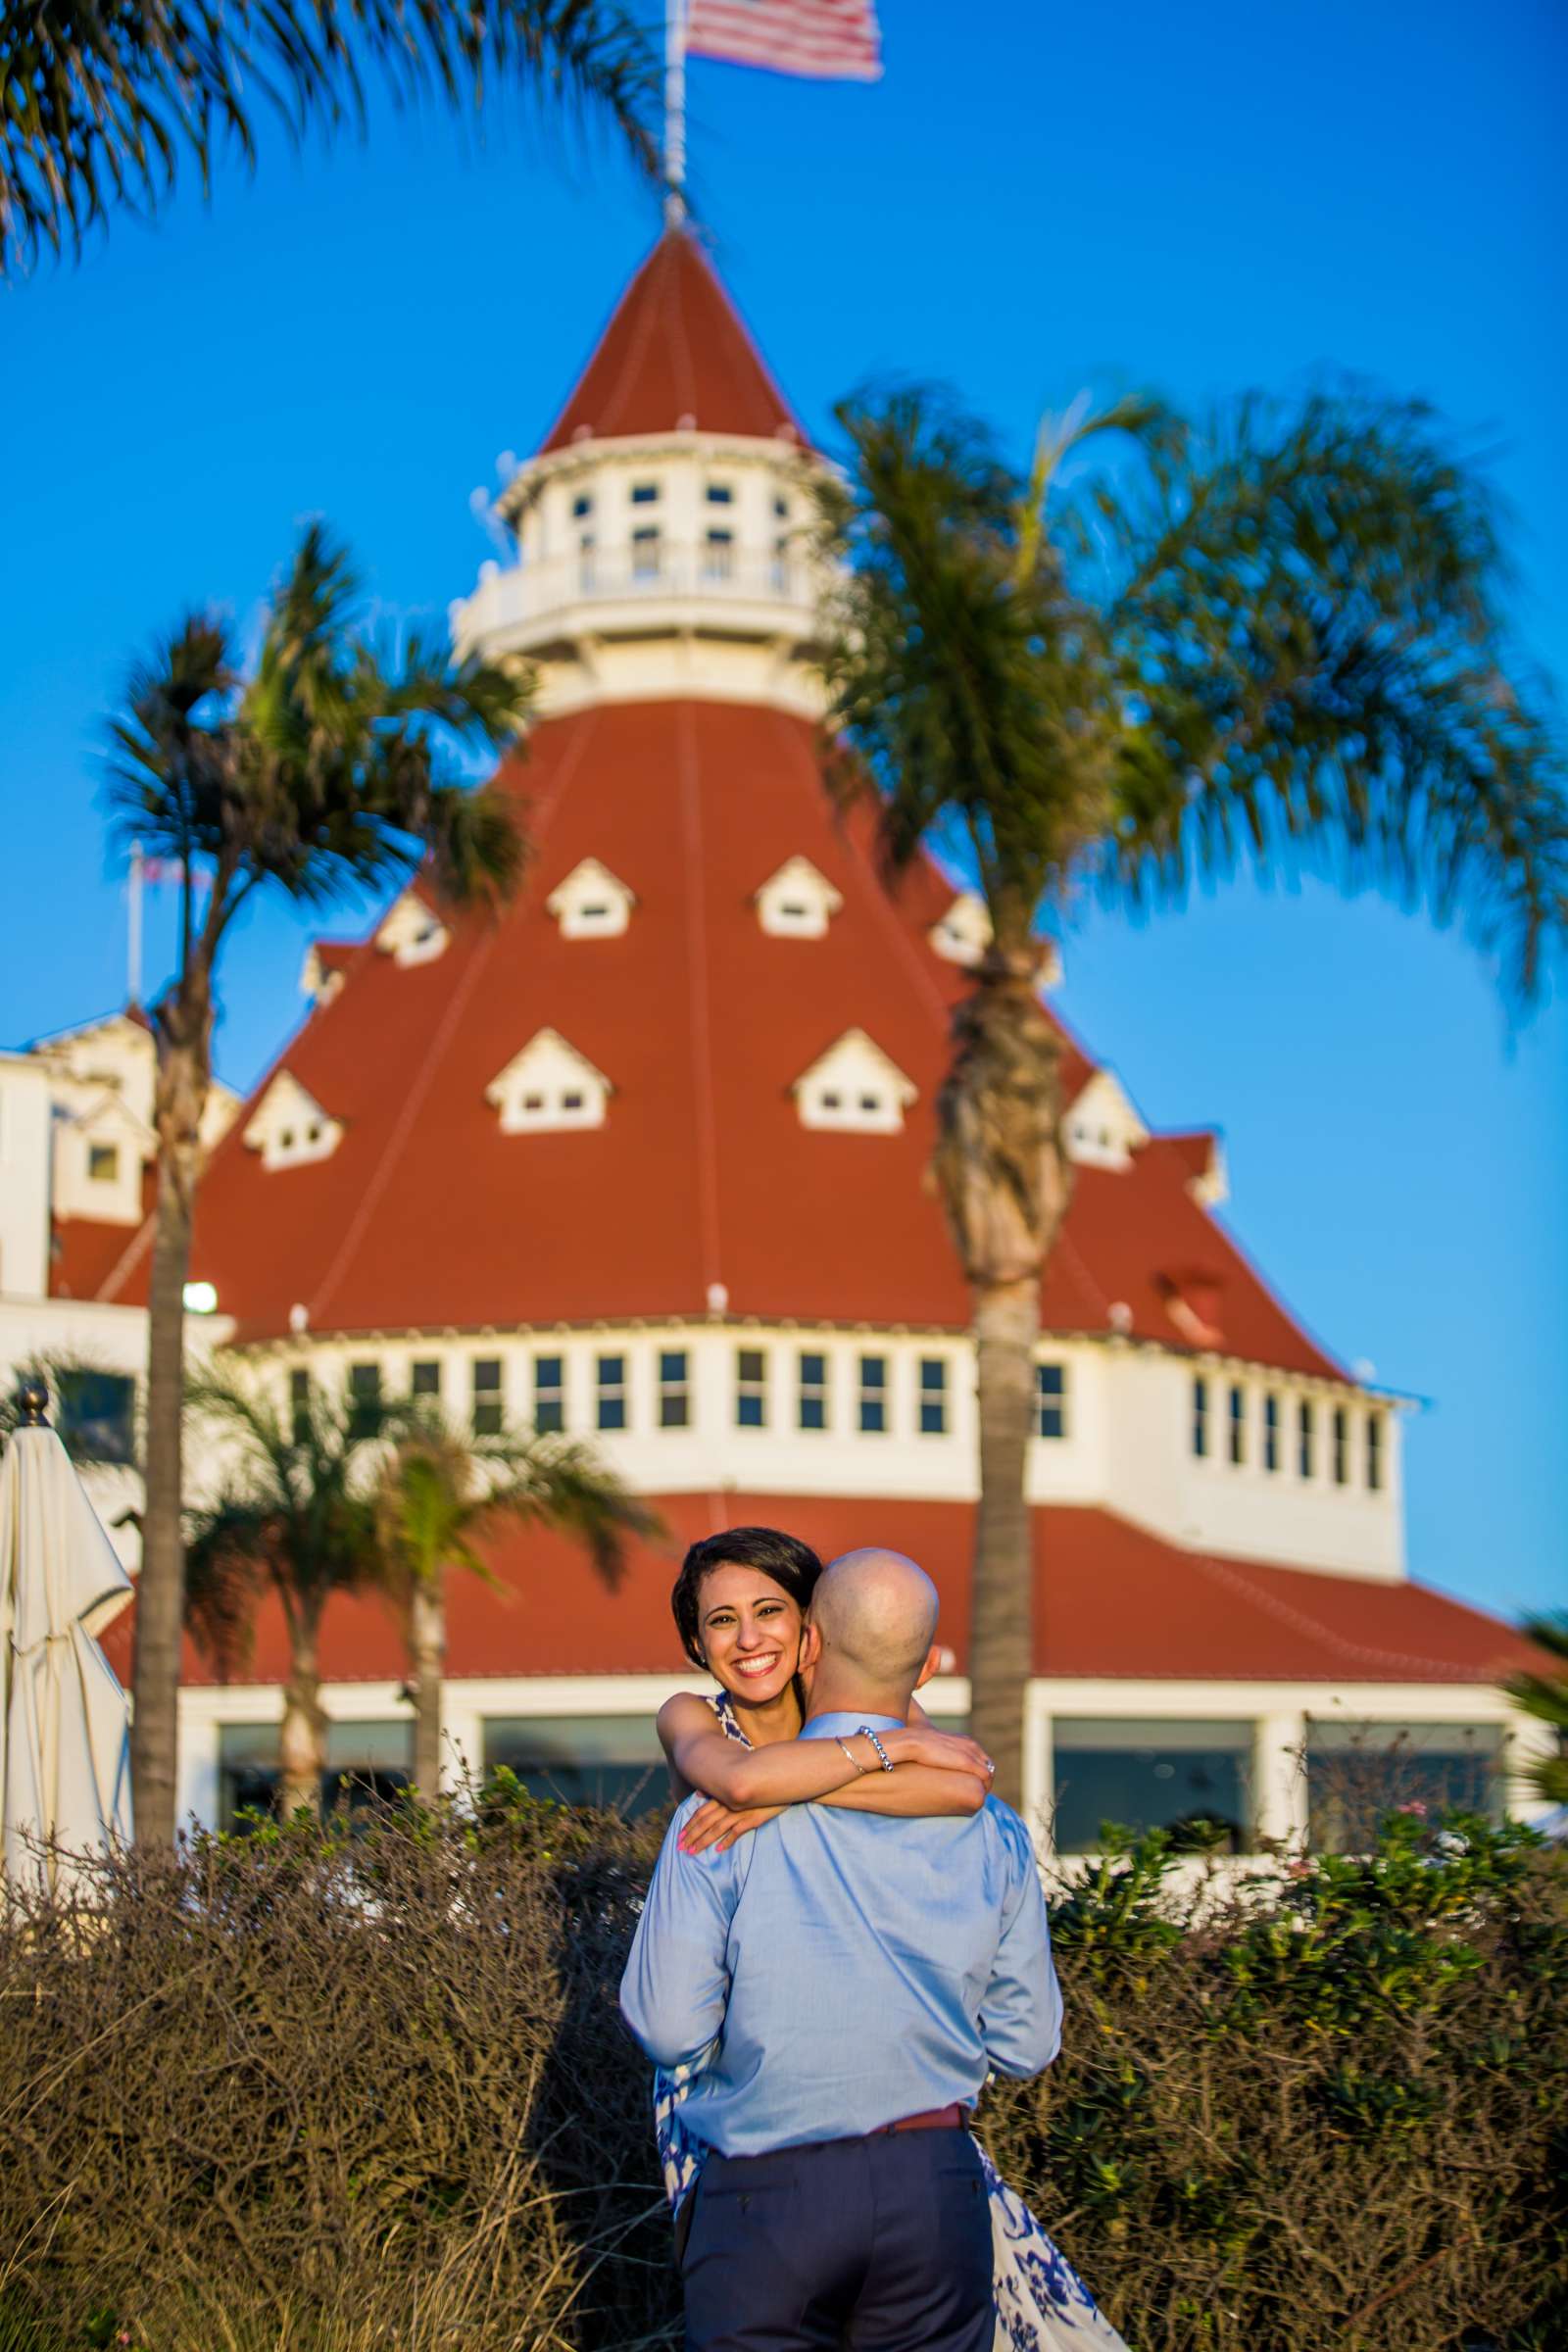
876, 1613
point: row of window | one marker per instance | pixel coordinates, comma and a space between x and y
1193, 1780
1306, 1437
647, 494
761, 1398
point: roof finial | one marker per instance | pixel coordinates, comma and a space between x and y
674, 113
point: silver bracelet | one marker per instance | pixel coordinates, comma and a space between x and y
849, 1753
865, 1733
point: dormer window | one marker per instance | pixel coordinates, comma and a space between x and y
548, 1086
855, 1087
289, 1128
1104, 1130
797, 902
964, 934
591, 903
411, 932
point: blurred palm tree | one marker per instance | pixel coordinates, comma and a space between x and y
1545, 1697
294, 1515
99, 105
1275, 640
329, 767
440, 1492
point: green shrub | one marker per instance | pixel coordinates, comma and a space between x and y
322, 2091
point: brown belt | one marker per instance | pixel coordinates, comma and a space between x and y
933, 2119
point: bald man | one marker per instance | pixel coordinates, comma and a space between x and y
860, 1976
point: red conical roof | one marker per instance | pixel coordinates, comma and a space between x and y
674, 356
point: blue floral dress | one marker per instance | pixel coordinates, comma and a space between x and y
1042, 2303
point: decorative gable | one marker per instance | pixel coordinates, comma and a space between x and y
411, 932
1104, 1130
963, 933
288, 1126
323, 971
99, 1150
797, 902
591, 903
855, 1087
548, 1085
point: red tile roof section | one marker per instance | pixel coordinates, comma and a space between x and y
675, 355
427, 1215
1110, 1601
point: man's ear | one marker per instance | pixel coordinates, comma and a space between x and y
811, 1647
933, 1664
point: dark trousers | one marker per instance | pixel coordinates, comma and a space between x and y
875, 2245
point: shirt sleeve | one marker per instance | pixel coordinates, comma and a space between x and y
1020, 2022
673, 1992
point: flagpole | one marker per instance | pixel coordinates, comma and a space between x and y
674, 113
134, 928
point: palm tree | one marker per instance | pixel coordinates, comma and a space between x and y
293, 1516
440, 1492
1545, 1697
326, 768
1276, 639
98, 106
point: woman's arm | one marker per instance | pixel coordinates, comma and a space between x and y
911, 1791
794, 1771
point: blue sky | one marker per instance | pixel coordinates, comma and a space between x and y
1036, 200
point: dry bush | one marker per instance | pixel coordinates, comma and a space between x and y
328, 2093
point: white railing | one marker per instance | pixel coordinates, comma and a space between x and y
656, 569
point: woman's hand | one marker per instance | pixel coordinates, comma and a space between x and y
945, 1751
720, 1826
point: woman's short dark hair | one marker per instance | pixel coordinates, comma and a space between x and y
791, 1564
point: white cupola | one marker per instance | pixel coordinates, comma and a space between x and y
797, 902
548, 1085
411, 932
591, 903
288, 1126
855, 1087
663, 532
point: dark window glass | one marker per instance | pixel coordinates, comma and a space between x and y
299, 1398
873, 1393
1199, 1415
933, 1397
610, 1377
719, 494
1342, 1446
1374, 1452
1306, 1440
1358, 1772
97, 1414
366, 1765
103, 1162
645, 494
582, 505
1271, 1433
426, 1379
674, 1388
751, 1388
487, 1410
1238, 1422
364, 1389
549, 1395
812, 1399
611, 1760
1051, 1397
1193, 1778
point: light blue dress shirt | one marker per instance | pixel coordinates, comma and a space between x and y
850, 1968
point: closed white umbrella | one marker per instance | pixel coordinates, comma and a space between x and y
64, 1722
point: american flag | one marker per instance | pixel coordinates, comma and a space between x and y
832, 40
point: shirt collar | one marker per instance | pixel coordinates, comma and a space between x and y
841, 1727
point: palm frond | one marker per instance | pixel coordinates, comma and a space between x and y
101, 106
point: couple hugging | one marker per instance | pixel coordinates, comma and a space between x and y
844, 1936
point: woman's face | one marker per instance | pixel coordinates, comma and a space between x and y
750, 1631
